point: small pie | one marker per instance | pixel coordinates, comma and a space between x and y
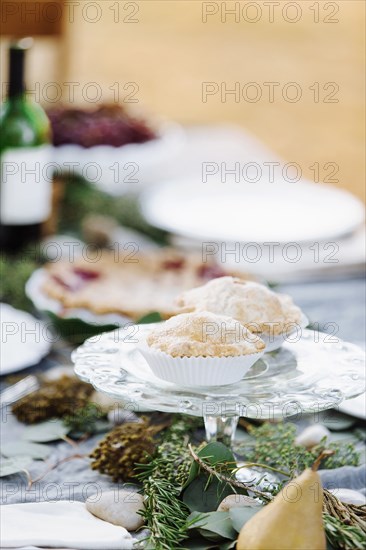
131, 284
257, 307
204, 334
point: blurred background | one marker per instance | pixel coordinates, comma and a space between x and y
216, 128
166, 49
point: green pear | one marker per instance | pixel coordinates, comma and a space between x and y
292, 521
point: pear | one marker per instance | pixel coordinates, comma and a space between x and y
292, 521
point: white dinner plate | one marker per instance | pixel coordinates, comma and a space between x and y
253, 212
25, 340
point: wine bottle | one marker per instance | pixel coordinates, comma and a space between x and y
25, 152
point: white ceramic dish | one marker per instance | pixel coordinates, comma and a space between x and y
25, 340
252, 213
118, 170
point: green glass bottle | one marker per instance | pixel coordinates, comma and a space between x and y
25, 160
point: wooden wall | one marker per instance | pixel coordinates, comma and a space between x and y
166, 50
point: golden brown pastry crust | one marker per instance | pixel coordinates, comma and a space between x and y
204, 334
254, 305
130, 285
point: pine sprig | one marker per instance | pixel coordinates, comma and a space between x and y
162, 478
164, 513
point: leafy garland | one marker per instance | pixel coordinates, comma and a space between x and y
173, 489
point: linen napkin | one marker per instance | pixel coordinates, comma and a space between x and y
62, 524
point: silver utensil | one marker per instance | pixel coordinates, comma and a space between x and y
15, 392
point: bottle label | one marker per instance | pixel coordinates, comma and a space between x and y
25, 185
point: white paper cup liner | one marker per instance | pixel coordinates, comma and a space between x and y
198, 371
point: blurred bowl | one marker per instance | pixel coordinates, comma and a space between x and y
120, 170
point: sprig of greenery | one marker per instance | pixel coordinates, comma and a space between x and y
225, 473
165, 514
84, 419
274, 445
340, 535
14, 273
82, 198
345, 454
162, 478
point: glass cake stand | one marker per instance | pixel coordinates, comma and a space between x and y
314, 372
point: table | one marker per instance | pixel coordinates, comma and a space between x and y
337, 301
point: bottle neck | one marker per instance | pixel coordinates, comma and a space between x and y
16, 73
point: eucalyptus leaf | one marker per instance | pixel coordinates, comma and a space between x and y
102, 426
214, 523
26, 449
9, 466
153, 317
50, 430
239, 516
201, 496
76, 330
213, 453
228, 545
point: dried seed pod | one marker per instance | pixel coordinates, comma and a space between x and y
125, 446
55, 399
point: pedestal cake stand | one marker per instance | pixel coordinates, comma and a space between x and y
311, 373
